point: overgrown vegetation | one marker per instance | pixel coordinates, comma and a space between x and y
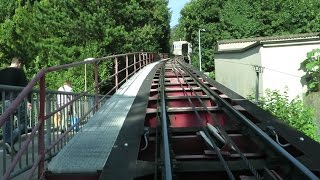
291, 112
311, 66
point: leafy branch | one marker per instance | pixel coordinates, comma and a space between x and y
292, 112
311, 66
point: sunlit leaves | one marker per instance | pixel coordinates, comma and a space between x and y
292, 112
311, 66
235, 19
47, 33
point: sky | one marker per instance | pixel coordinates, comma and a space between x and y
176, 6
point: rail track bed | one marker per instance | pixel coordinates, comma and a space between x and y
193, 130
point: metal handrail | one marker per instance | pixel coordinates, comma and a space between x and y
43, 116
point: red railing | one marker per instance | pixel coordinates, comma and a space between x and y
132, 65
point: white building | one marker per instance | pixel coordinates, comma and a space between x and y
279, 57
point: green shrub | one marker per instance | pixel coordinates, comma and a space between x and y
291, 112
311, 66
212, 75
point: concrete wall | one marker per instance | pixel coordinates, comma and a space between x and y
282, 63
235, 70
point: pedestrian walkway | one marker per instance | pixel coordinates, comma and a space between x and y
89, 150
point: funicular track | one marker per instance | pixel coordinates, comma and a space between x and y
194, 131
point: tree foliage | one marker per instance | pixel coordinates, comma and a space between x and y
47, 33
311, 66
234, 19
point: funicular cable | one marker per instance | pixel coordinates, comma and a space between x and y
225, 135
251, 125
224, 163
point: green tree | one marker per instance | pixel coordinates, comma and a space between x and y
48, 33
197, 15
234, 19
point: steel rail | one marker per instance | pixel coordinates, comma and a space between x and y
157, 139
302, 168
225, 134
165, 139
215, 146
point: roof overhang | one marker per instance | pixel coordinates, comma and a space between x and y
241, 45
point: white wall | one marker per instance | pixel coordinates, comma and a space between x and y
235, 70
282, 65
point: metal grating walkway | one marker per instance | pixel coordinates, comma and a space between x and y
89, 150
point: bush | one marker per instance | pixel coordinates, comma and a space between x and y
291, 112
311, 66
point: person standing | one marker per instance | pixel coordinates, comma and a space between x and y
63, 99
14, 76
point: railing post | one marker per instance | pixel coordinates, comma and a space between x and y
143, 60
41, 148
151, 58
134, 63
147, 60
96, 85
48, 121
127, 66
139, 61
116, 72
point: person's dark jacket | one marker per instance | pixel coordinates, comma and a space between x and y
12, 76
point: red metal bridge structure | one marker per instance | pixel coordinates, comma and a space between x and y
162, 119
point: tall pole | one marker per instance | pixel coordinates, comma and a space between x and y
85, 77
85, 73
199, 34
257, 87
259, 70
96, 85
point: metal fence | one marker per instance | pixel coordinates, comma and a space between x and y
47, 127
24, 120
